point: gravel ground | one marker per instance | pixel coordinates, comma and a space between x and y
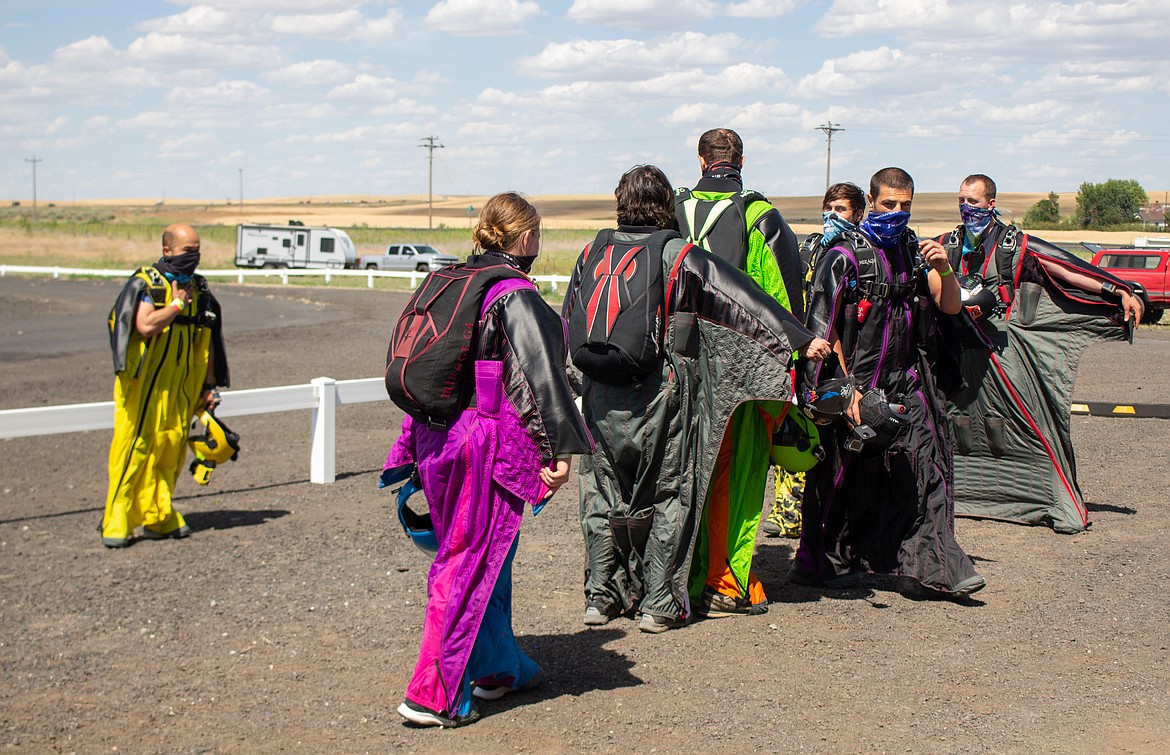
289, 620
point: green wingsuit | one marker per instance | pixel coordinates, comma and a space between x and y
743, 228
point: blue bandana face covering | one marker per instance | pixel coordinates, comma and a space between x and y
885, 229
976, 219
834, 227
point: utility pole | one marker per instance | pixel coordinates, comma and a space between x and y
241, 191
34, 161
430, 145
829, 128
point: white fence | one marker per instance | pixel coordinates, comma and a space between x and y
323, 395
241, 275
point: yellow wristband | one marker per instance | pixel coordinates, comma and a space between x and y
177, 303
948, 272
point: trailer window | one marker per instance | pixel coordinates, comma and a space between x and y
287, 243
300, 239
261, 250
326, 246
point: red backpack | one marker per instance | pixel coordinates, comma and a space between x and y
435, 338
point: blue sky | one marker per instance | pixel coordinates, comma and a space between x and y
142, 98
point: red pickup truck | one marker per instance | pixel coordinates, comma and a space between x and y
1144, 268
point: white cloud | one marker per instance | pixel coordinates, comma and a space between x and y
642, 14
198, 19
404, 108
633, 58
1020, 30
886, 70
187, 146
56, 125
482, 18
86, 52
756, 115
312, 73
366, 87
256, 6
218, 93
761, 8
150, 120
338, 25
179, 50
382, 29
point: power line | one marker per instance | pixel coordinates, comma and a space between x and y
829, 129
430, 147
34, 160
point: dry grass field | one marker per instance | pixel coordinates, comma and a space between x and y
123, 233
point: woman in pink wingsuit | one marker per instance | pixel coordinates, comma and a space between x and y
508, 447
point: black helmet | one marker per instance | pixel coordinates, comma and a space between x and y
979, 300
829, 400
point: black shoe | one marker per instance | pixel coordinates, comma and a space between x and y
840, 582
424, 716
915, 590
713, 605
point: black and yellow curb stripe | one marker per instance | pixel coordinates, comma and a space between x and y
1110, 409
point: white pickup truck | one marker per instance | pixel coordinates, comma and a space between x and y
418, 257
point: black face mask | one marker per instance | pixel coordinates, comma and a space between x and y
723, 169
179, 268
523, 263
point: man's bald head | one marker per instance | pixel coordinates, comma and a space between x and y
179, 238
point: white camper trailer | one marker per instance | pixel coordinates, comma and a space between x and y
294, 246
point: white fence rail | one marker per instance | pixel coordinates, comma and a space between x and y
323, 395
553, 281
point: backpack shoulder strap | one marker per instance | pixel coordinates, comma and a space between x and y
953, 240
501, 288
690, 210
156, 285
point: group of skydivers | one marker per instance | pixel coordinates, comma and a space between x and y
706, 345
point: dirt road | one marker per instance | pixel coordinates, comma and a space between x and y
289, 620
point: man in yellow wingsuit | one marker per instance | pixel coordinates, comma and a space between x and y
166, 335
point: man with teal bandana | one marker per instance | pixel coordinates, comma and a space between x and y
744, 229
843, 206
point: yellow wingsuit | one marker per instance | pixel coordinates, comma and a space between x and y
158, 383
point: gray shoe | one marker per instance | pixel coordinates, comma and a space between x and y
658, 624
597, 614
181, 532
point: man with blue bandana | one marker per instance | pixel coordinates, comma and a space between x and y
166, 335
1030, 310
881, 500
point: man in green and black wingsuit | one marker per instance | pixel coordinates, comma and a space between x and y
743, 228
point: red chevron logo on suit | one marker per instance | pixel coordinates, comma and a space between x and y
609, 291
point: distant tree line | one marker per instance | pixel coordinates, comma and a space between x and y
1112, 205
